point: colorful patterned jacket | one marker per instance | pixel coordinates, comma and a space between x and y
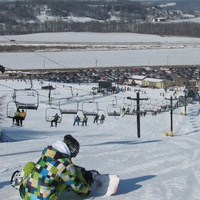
53, 172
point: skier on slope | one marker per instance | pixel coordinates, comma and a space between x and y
54, 172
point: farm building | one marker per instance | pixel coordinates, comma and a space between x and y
156, 83
137, 79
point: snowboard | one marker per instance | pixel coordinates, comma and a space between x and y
102, 185
105, 185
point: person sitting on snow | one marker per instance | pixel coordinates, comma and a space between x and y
54, 172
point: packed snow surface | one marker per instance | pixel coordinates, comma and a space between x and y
152, 166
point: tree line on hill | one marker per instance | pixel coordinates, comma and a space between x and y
20, 17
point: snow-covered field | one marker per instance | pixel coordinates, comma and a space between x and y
152, 167
101, 50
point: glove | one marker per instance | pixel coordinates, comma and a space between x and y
89, 176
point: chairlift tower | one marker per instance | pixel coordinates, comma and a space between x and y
138, 99
171, 115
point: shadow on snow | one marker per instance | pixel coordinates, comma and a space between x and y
125, 142
4, 183
18, 134
129, 185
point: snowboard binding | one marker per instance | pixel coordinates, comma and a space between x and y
16, 179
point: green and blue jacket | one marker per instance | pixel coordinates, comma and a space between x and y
52, 174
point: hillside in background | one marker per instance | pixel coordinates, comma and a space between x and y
24, 17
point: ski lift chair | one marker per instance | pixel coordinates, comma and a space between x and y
50, 112
114, 110
11, 109
90, 108
26, 99
68, 106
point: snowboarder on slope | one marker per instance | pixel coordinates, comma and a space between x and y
54, 172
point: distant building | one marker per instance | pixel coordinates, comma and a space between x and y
105, 84
159, 19
156, 83
137, 79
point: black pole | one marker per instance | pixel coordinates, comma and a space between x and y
138, 114
185, 105
171, 114
137, 99
50, 96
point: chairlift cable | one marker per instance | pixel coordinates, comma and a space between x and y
33, 52
75, 88
7, 86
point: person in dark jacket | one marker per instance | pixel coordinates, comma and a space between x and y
77, 120
54, 172
96, 118
55, 119
102, 119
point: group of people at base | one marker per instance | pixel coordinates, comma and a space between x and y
84, 121
55, 172
18, 118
